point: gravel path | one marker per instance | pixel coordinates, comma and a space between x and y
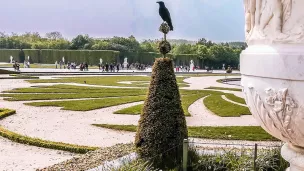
51, 123
203, 117
15, 156
92, 159
200, 83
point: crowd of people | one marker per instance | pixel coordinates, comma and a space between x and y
72, 65
185, 68
60, 65
84, 67
109, 67
112, 67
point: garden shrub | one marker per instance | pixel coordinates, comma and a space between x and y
162, 125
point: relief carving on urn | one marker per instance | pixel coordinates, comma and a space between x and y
277, 113
271, 21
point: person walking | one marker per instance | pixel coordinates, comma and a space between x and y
107, 67
111, 67
86, 66
117, 67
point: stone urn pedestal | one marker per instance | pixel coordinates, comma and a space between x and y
273, 83
272, 69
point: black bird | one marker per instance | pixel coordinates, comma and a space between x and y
165, 14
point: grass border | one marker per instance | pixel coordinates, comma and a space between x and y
44, 143
6, 112
245, 133
39, 142
235, 98
217, 105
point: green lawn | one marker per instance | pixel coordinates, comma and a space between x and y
187, 100
190, 99
29, 97
250, 133
39, 142
223, 88
6, 112
73, 89
86, 105
133, 110
223, 108
106, 80
44, 143
56, 92
214, 102
68, 92
235, 98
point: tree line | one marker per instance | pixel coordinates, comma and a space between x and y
213, 54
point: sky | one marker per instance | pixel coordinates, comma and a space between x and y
216, 20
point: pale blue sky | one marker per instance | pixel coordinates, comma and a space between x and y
218, 20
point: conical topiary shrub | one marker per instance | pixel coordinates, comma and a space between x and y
162, 125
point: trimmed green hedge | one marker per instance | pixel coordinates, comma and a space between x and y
184, 59
34, 55
6, 53
6, 112
162, 123
50, 56
141, 57
89, 56
44, 143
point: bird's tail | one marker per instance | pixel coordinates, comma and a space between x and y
171, 26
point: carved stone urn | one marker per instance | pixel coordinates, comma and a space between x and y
272, 70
